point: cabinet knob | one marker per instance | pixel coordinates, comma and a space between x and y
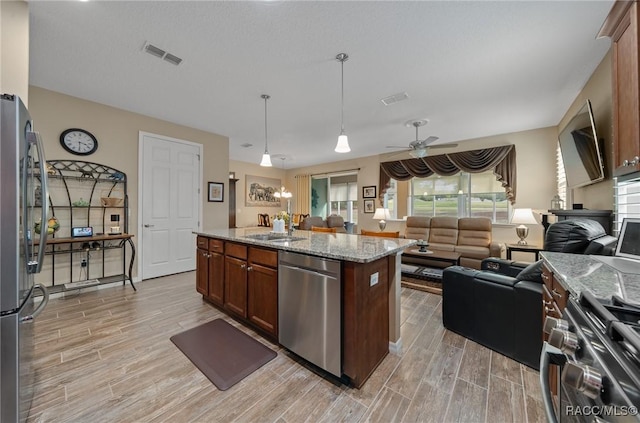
243, 266
635, 161
625, 163
249, 269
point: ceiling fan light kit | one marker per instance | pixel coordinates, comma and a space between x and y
343, 141
266, 158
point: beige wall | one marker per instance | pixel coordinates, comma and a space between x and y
117, 132
14, 49
248, 215
599, 91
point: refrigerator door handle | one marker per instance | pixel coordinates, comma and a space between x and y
45, 300
34, 138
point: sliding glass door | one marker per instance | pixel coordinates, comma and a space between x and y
335, 194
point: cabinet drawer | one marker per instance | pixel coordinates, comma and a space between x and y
216, 245
202, 242
263, 256
236, 250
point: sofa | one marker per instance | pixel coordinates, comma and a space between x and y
469, 236
332, 221
502, 312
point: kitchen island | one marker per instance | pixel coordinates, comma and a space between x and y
237, 271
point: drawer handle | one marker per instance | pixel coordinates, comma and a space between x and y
547, 310
556, 293
547, 302
545, 276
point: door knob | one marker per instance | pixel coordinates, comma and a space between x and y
149, 226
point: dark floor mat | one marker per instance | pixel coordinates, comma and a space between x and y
224, 354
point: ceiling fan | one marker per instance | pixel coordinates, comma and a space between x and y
419, 148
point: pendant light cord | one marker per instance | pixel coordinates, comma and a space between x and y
266, 148
342, 97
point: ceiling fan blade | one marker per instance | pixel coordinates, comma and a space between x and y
443, 146
430, 139
403, 147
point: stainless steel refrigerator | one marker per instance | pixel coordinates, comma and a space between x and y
22, 173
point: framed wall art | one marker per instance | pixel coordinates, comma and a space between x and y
369, 192
260, 192
369, 206
216, 192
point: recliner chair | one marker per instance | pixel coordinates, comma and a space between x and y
504, 312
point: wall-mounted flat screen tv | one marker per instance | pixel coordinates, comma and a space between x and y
580, 148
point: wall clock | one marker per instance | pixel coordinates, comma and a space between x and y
78, 141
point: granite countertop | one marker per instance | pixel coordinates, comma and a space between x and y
347, 247
579, 273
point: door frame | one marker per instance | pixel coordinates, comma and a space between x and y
141, 135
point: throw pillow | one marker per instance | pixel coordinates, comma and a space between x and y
532, 273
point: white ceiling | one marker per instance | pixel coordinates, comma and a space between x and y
472, 69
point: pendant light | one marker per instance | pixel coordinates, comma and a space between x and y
266, 158
343, 141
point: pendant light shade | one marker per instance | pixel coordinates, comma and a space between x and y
266, 158
343, 141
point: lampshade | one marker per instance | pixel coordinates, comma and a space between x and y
266, 160
523, 216
343, 144
381, 213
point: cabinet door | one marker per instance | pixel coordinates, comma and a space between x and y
216, 278
626, 92
263, 298
235, 286
202, 271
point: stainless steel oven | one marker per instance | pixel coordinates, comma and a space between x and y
597, 346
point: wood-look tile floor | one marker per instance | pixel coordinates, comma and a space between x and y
105, 356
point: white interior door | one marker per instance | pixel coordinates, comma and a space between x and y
170, 204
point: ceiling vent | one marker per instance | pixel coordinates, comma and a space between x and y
158, 52
394, 98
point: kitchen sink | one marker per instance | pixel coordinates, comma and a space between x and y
275, 237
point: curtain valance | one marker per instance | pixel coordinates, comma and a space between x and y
502, 160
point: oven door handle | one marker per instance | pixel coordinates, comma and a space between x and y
550, 355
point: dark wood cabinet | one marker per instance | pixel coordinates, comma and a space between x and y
262, 298
210, 269
621, 26
202, 271
554, 301
235, 286
216, 271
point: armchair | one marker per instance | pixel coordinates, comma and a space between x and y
504, 311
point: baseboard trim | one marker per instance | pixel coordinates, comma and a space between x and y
395, 347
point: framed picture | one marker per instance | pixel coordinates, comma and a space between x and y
369, 192
260, 192
369, 206
216, 192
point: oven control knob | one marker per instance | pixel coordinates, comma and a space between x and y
584, 378
566, 341
553, 322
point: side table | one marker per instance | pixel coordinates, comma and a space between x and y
527, 248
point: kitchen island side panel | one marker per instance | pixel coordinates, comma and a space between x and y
365, 327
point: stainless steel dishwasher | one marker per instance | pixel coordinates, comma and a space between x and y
310, 309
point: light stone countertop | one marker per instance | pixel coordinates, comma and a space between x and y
346, 247
579, 273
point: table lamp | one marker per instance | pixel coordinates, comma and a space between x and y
382, 214
523, 217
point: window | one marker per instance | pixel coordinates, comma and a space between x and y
335, 194
461, 195
627, 196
